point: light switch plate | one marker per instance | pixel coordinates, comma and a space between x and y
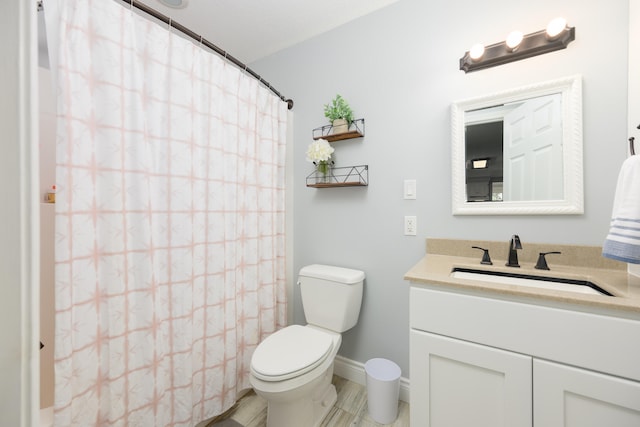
410, 189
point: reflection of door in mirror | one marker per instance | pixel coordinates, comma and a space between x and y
533, 150
513, 151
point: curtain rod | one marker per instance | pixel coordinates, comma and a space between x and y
197, 37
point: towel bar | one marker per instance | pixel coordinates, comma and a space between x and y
632, 147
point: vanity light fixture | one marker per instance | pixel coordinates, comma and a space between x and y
517, 46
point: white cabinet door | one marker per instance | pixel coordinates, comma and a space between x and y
460, 384
570, 397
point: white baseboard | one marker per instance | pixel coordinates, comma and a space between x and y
354, 371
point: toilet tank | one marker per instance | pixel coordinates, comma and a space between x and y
331, 296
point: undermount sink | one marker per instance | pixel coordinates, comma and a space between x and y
555, 283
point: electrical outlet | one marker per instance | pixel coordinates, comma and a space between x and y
410, 226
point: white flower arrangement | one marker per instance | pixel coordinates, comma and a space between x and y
319, 151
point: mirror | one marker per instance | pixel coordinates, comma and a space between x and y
519, 151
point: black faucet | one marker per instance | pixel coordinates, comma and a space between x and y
486, 259
514, 244
542, 261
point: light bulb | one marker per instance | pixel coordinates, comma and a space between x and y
555, 27
480, 163
476, 51
514, 39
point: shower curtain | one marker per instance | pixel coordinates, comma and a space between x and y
169, 221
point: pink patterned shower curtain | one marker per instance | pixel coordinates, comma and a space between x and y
169, 222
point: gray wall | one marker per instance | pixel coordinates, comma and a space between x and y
398, 68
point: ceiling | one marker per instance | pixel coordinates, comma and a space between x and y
252, 29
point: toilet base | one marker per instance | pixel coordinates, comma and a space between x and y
305, 406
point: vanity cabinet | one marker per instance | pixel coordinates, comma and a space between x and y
456, 383
494, 361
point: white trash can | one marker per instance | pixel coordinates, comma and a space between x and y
383, 389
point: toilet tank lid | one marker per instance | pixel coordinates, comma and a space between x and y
335, 274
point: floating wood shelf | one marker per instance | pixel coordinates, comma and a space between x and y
349, 176
356, 130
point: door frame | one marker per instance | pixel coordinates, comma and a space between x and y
19, 251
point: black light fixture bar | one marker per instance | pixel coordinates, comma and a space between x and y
532, 45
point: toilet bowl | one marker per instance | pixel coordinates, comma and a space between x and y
303, 394
292, 369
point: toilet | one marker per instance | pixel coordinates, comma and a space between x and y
293, 367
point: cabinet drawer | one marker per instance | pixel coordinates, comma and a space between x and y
601, 343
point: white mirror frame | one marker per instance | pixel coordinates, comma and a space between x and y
573, 202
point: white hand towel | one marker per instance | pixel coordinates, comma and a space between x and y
623, 241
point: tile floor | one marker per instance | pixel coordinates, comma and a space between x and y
350, 409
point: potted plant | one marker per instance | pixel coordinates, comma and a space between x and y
339, 114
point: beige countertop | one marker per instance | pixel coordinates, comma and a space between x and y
575, 262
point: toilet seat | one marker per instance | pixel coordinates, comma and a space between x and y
290, 352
